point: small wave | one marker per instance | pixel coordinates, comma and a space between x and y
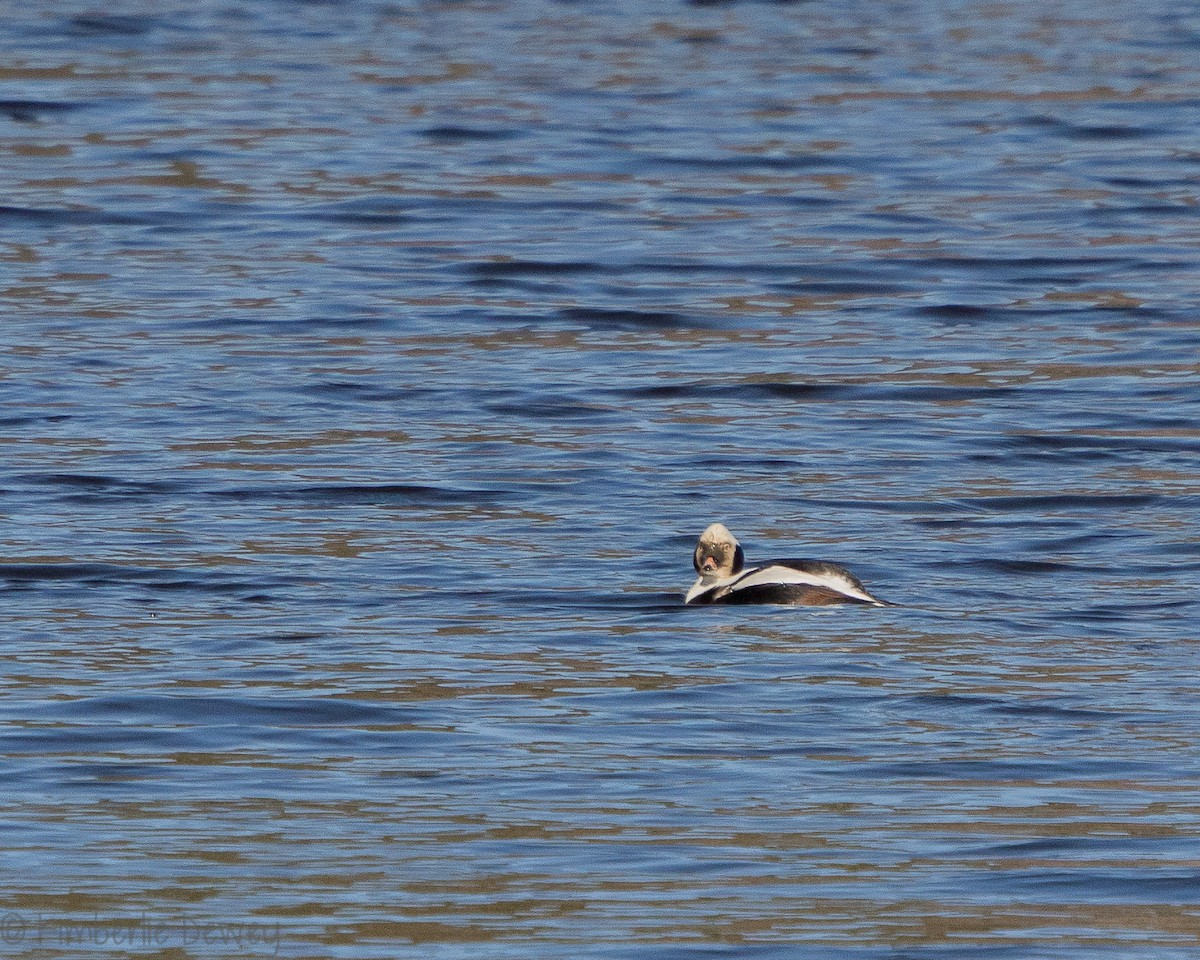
817, 392
1053, 711
233, 710
625, 319
33, 111
1063, 501
108, 24
747, 161
959, 312
93, 488
495, 269
1146, 884
742, 391
202, 581
382, 494
76, 217
847, 288
986, 770
1028, 567
364, 215
455, 134
92, 574
1106, 131
550, 408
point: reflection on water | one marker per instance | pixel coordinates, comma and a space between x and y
369, 371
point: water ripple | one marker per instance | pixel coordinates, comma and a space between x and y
369, 371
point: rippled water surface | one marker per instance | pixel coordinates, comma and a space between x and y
369, 370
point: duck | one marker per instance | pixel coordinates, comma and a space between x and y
724, 577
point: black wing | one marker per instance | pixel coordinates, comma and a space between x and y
817, 567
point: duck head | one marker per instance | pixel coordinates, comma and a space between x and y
718, 554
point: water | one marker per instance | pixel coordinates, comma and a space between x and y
370, 369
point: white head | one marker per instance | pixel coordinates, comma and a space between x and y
718, 554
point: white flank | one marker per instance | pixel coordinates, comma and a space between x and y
704, 584
765, 576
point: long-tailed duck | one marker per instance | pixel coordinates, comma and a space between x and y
725, 578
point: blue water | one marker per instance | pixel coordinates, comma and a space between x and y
369, 370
